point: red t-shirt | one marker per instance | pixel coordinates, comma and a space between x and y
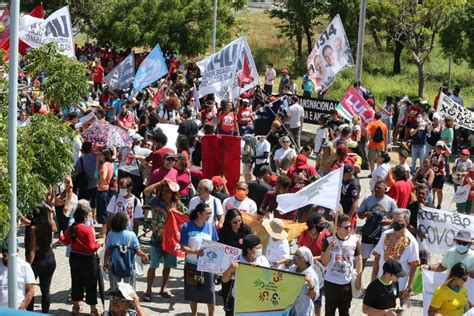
307, 170
162, 173
157, 157
470, 175
85, 240
411, 113
244, 115
270, 203
400, 191
227, 121
97, 74
315, 245
128, 120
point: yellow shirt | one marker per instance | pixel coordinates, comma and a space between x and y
449, 302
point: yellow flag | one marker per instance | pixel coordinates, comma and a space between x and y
265, 291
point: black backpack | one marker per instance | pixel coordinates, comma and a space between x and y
378, 135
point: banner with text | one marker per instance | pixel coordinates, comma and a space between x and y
314, 108
56, 28
462, 116
432, 280
330, 55
440, 228
217, 257
122, 75
264, 291
355, 104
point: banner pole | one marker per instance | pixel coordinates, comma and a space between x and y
360, 42
12, 152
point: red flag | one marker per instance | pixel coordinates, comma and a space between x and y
22, 46
222, 158
245, 77
171, 229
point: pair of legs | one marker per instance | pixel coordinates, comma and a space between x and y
43, 267
372, 158
169, 261
83, 275
437, 186
194, 306
337, 297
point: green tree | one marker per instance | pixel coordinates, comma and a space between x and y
65, 82
185, 26
457, 38
348, 10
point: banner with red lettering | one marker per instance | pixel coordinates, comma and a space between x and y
171, 229
355, 104
217, 257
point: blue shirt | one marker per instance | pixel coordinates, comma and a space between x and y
86, 163
124, 237
192, 235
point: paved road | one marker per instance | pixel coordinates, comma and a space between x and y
61, 304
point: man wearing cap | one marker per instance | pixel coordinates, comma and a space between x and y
326, 158
25, 277
462, 252
295, 117
260, 186
220, 188
166, 171
382, 295
124, 302
156, 158
334, 123
302, 169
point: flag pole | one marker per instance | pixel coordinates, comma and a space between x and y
214, 30
360, 42
12, 153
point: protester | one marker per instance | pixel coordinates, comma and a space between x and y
439, 158
220, 190
401, 190
295, 118
270, 204
240, 200
422, 192
378, 138
124, 302
350, 193
325, 159
260, 186
285, 156
278, 248
204, 190
382, 170
105, 169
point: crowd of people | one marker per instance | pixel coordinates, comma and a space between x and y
127, 193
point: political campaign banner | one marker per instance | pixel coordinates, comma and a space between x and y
152, 68
330, 54
440, 228
217, 257
55, 28
314, 108
324, 192
462, 116
264, 291
229, 72
432, 280
355, 104
122, 75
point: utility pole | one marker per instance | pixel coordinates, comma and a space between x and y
360, 41
214, 31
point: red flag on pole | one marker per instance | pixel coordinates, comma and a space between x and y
245, 77
171, 229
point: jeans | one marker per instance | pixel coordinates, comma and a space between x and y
417, 152
428, 149
296, 132
388, 123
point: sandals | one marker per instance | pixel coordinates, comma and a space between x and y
147, 297
76, 310
166, 294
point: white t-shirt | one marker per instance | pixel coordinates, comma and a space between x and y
270, 75
280, 153
295, 112
388, 107
380, 173
25, 276
341, 261
277, 250
129, 164
321, 133
120, 204
410, 254
260, 149
213, 203
247, 205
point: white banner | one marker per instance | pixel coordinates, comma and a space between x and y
122, 75
229, 72
462, 194
325, 192
462, 116
56, 28
330, 54
432, 280
217, 257
440, 228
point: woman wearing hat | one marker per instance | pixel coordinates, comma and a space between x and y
278, 248
166, 200
439, 158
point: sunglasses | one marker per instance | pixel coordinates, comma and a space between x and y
241, 189
285, 142
462, 243
119, 299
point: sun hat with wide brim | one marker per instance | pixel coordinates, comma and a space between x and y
275, 228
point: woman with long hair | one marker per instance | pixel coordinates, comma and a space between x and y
227, 120
450, 299
439, 158
447, 136
105, 168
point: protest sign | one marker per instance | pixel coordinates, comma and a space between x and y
314, 108
122, 75
462, 193
440, 228
432, 280
56, 28
265, 291
462, 116
355, 104
152, 68
217, 257
229, 72
330, 55
325, 192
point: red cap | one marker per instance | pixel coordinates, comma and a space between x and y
301, 160
218, 180
465, 151
273, 180
370, 102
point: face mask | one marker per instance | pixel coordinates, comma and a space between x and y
419, 119
123, 192
258, 253
462, 248
398, 226
319, 228
240, 195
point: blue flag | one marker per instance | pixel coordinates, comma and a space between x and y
151, 69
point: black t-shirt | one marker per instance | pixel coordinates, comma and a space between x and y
349, 190
257, 191
414, 209
381, 296
228, 237
220, 195
335, 124
188, 128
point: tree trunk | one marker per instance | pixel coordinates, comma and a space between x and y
375, 35
397, 53
309, 42
299, 43
421, 77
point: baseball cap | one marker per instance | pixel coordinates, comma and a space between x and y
218, 180
137, 137
464, 235
348, 168
465, 151
394, 267
327, 144
403, 153
301, 160
440, 143
169, 155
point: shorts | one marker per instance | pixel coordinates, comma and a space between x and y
246, 168
373, 153
102, 201
318, 303
366, 250
438, 182
157, 256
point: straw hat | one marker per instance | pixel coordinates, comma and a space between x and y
275, 228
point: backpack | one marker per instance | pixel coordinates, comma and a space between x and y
378, 135
122, 260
